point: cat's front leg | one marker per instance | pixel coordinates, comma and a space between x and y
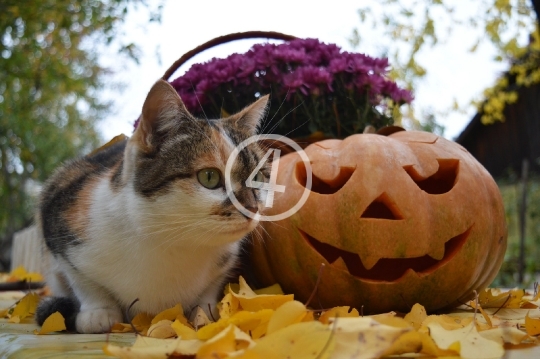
98, 310
208, 303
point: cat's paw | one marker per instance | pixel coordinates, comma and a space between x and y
97, 320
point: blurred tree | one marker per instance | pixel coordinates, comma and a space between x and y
413, 26
50, 79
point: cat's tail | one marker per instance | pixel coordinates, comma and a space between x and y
68, 307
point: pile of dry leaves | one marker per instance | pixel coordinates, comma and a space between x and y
269, 324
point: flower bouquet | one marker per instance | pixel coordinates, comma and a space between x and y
315, 88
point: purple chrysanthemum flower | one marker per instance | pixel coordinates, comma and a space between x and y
338, 92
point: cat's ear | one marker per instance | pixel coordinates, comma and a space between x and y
250, 118
162, 111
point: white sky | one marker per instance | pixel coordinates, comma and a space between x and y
453, 73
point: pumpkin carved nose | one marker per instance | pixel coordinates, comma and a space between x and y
382, 208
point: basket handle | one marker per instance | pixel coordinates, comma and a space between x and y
222, 40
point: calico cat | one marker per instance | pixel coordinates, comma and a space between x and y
149, 218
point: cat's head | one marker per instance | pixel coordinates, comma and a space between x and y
175, 166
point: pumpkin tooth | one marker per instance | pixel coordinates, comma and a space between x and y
368, 260
340, 264
437, 253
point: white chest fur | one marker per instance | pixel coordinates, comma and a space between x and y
153, 252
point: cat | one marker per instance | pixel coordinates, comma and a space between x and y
149, 218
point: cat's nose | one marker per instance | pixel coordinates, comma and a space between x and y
253, 210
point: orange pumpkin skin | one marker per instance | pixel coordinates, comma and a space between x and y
423, 216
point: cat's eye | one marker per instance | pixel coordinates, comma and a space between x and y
258, 180
209, 178
259, 177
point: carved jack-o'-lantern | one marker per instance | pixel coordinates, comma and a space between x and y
397, 220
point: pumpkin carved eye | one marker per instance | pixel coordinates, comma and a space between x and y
321, 186
441, 181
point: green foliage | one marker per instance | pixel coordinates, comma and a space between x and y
413, 26
511, 192
50, 79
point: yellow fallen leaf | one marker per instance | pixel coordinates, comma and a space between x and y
429, 347
141, 322
121, 328
471, 344
250, 301
409, 342
200, 319
228, 305
161, 329
54, 323
26, 306
305, 340
339, 312
509, 335
446, 321
532, 326
4, 312
169, 314
20, 274
487, 298
273, 290
516, 296
249, 322
228, 342
472, 303
144, 347
510, 317
393, 321
416, 316
153, 348
15, 319
363, 335
415, 342
183, 331
289, 313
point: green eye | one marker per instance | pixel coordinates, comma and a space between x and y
259, 177
209, 178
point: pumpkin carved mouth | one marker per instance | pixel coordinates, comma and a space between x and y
388, 269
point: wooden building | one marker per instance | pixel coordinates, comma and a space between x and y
503, 146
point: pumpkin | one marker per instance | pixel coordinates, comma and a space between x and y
400, 219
